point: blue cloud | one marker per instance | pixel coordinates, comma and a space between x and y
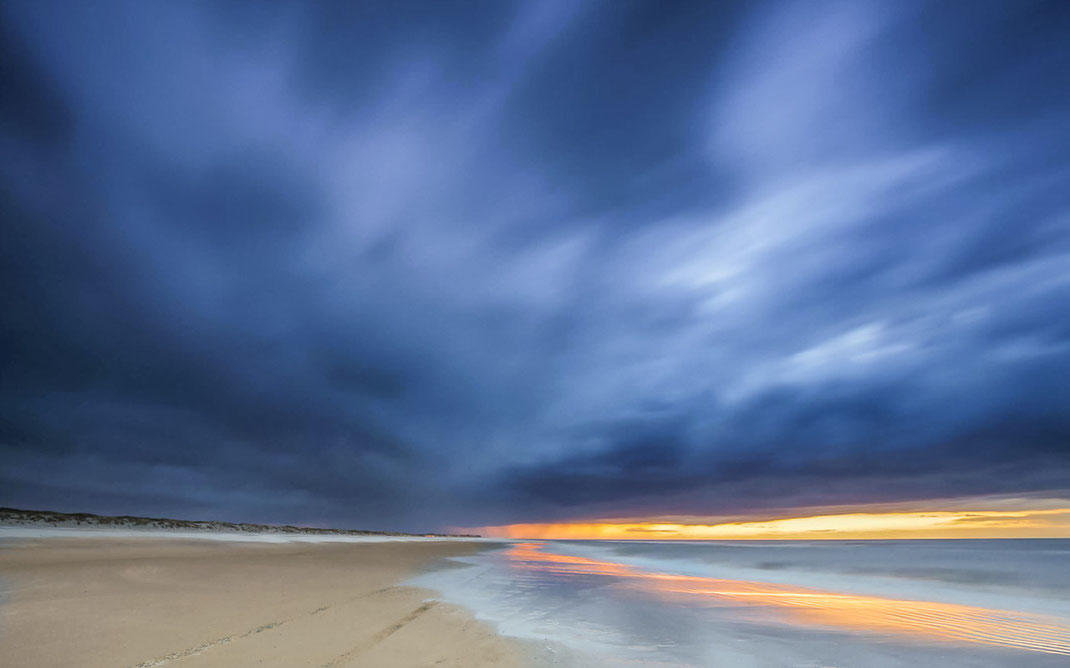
399, 264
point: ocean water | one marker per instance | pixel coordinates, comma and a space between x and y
741, 604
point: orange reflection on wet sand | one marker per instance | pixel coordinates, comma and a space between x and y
921, 619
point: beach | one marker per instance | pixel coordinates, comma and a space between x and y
105, 597
146, 601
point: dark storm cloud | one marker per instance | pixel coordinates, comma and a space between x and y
386, 264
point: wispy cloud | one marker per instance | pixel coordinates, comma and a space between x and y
527, 261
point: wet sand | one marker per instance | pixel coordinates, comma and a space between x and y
170, 602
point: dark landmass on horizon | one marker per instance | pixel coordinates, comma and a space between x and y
19, 517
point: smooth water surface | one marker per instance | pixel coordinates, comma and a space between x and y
819, 603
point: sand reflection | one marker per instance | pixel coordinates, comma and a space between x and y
871, 614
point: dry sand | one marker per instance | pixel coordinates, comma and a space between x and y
169, 602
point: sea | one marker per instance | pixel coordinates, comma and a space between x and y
803, 604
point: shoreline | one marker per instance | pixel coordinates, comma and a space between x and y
146, 600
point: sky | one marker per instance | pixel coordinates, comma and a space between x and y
395, 265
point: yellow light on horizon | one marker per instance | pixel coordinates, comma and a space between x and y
1038, 523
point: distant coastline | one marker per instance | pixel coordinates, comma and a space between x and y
47, 518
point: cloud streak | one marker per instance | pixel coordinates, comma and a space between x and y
421, 266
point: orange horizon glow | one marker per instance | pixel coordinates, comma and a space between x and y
937, 524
